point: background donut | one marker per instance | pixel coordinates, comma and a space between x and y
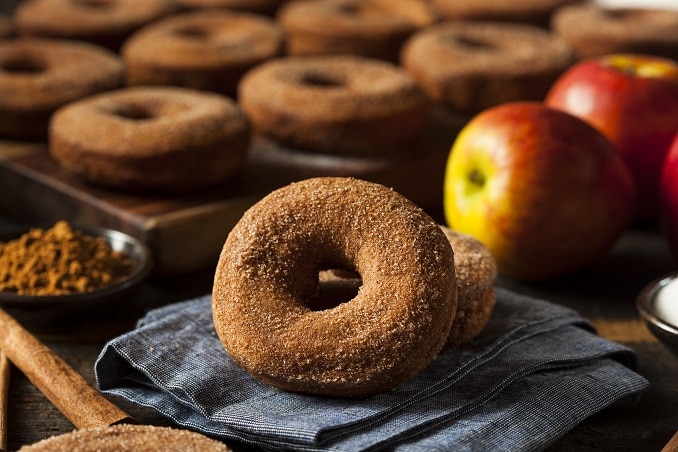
207, 50
471, 66
37, 76
370, 28
163, 139
103, 22
593, 30
533, 12
340, 104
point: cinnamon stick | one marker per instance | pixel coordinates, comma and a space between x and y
81, 403
4, 391
672, 445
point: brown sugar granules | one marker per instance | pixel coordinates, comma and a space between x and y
59, 261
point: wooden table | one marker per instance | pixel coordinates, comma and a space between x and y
605, 294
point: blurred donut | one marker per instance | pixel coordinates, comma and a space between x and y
370, 28
533, 12
266, 7
207, 50
104, 22
337, 104
593, 30
164, 139
37, 76
473, 66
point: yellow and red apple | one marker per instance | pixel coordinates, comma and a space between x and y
633, 100
669, 196
545, 191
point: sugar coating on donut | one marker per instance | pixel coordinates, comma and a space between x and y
473, 66
151, 138
335, 104
371, 28
476, 271
140, 438
268, 270
594, 30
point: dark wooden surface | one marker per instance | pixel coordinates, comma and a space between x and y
605, 294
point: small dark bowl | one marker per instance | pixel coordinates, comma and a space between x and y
658, 306
54, 313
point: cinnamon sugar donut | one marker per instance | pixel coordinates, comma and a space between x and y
139, 438
371, 28
335, 104
266, 7
208, 50
473, 66
104, 22
165, 139
476, 272
593, 30
37, 76
533, 12
269, 266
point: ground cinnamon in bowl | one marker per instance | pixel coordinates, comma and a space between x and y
60, 260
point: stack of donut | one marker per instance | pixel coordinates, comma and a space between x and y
342, 78
421, 289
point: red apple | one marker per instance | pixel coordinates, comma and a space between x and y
669, 196
633, 100
545, 191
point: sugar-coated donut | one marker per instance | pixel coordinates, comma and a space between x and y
371, 28
269, 267
139, 438
471, 66
165, 139
476, 272
37, 76
207, 50
267, 7
104, 22
335, 104
594, 30
533, 12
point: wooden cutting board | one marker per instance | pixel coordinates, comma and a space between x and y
186, 232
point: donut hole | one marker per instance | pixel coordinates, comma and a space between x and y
193, 32
94, 4
349, 9
472, 44
134, 112
320, 80
23, 65
335, 287
620, 14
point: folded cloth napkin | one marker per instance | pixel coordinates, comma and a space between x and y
536, 371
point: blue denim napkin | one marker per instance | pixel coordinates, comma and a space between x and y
536, 371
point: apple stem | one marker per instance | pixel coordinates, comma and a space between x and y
476, 177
